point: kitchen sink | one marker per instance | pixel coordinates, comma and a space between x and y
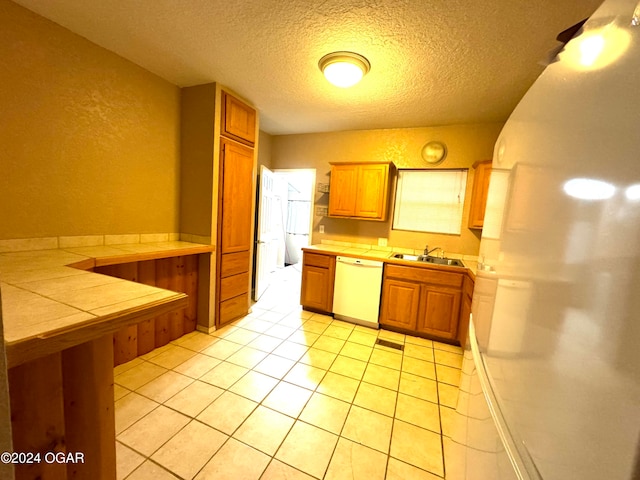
441, 261
404, 256
453, 262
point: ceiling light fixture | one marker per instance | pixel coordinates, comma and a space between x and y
344, 69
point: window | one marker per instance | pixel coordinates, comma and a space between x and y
430, 201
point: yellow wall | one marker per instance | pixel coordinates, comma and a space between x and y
466, 144
198, 106
264, 150
89, 141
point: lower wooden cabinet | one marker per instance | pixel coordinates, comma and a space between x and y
400, 301
318, 275
439, 311
421, 300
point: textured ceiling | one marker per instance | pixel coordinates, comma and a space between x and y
433, 62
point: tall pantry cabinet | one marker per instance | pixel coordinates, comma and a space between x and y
218, 187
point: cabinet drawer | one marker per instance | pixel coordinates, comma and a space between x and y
234, 263
233, 308
234, 285
316, 260
425, 275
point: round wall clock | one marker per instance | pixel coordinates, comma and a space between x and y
434, 152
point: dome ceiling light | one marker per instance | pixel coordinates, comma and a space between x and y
344, 69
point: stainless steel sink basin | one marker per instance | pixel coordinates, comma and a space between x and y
404, 256
453, 262
441, 261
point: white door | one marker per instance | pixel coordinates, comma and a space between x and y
269, 230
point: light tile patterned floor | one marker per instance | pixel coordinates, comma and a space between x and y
287, 394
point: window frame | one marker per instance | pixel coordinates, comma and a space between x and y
461, 193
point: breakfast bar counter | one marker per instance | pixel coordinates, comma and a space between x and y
59, 319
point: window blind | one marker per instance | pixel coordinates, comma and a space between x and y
430, 201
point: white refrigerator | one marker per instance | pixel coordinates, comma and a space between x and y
551, 380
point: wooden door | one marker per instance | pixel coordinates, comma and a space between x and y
370, 196
439, 311
236, 199
238, 120
400, 301
342, 192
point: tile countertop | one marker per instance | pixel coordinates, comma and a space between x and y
385, 255
47, 305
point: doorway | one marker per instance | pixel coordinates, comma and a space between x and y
298, 208
284, 222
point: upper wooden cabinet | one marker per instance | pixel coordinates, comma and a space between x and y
238, 120
360, 190
479, 193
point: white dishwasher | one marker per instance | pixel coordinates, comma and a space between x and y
356, 291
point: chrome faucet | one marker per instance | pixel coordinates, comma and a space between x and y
427, 251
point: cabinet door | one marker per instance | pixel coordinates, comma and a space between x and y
236, 199
439, 311
238, 120
479, 194
342, 194
400, 301
371, 195
317, 288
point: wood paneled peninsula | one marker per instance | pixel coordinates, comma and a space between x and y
59, 319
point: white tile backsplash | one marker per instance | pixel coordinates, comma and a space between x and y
154, 237
122, 239
28, 244
81, 241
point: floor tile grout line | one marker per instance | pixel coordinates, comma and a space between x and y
360, 380
148, 459
444, 467
279, 379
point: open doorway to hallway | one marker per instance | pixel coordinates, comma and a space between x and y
299, 204
283, 223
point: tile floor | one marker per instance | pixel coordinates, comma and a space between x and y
287, 394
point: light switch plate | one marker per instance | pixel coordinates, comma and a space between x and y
382, 242
321, 228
